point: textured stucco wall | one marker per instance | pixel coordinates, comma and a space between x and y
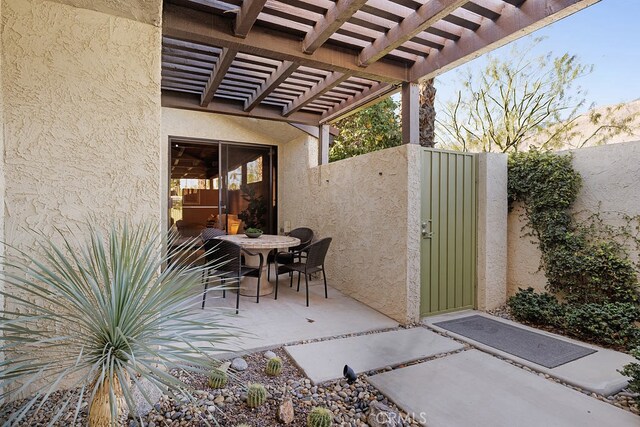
610, 176
492, 230
82, 117
80, 106
147, 11
366, 204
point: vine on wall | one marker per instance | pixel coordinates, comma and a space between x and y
586, 263
581, 265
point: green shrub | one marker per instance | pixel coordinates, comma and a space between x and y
537, 308
610, 323
632, 370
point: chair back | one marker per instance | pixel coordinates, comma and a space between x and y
224, 254
304, 234
317, 252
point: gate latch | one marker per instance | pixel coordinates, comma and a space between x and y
426, 229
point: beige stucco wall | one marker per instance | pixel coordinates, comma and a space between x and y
492, 230
610, 176
82, 116
370, 206
80, 107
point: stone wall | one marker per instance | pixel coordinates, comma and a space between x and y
610, 175
370, 206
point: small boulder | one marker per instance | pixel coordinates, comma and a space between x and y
239, 364
143, 407
270, 355
380, 415
285, 412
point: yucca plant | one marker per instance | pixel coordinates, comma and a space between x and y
100, 313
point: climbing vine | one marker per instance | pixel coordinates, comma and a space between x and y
581, 266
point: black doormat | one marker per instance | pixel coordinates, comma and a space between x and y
528, 345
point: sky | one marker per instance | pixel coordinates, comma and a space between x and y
606, 35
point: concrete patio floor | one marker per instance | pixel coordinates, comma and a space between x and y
273, 323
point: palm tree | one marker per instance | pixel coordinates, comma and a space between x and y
427, 113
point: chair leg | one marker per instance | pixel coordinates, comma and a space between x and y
268, 271
298, 290
306, 282
224, 291
291, 279
276, 297
258, 293
238, 297
204, 294
324, 276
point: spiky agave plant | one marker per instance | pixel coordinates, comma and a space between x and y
101, 313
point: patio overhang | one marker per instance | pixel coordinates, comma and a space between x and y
315, 61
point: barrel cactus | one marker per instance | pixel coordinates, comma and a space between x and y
218, 378
256, 395
320, 417
243, 425
274, 366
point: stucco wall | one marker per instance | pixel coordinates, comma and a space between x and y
610, 176
82, 116
492, 230
367, 204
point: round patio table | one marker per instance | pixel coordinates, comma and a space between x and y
263, 244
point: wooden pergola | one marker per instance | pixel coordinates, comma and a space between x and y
314, 61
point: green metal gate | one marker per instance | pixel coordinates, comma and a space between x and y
448, 249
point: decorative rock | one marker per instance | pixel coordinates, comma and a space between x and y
219, 400
239, 364
269, 355
381, 415
142, 406
285, 412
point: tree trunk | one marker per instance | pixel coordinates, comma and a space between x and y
100, 411
427, 113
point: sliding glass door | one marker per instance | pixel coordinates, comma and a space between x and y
220, 185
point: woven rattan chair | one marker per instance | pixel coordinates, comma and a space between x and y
226, 257
305, 235
314, 262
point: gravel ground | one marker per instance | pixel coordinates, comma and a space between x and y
349, 403
227, 406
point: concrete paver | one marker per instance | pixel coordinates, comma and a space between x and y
597, 372
472, 388
324, 361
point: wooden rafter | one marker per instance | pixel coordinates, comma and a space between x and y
337, 15
186, 101
217, 75
279, 75
247, 16
513, 23
331, 81
205, 28
357, 102
427, 15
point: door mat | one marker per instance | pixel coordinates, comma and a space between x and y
532, 346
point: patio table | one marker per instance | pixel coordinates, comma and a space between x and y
263, 244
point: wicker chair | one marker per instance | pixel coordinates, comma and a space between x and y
305, 235
226, 260
314, 262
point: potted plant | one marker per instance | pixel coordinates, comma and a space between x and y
254, 215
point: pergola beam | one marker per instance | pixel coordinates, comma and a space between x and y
331, 81
217, 75
513, 23
423, 18
209, 29
337, 15
356, 102
247, 16
279, 75
186, 101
